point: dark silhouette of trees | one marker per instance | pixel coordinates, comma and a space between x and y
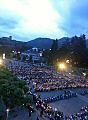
30, 59
79, 51
53, 53
54, 46
64, 51
73, 49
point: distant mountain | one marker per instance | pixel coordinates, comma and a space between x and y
46, 43
62, 41
7, 45
43, 43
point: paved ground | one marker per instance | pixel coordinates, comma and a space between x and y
69, 106
22, 114
85, 99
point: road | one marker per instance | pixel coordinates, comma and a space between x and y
85, 99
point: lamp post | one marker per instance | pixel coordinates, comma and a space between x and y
7, 111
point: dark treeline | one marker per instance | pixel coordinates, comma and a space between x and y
7, 45
73, 49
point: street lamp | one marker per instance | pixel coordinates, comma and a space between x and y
7, 110
62, 66
3, 56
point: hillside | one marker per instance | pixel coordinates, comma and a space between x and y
46, 43
8, 44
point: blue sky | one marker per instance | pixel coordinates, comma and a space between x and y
29, 19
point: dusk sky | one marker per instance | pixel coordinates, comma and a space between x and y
29, 19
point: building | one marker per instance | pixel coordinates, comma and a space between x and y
32, 55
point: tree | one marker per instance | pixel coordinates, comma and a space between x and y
54, 46
73, 49
24, 58
12, 90
79, 51
53, 52
18, 56
30, 59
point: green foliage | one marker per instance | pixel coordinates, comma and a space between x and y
30, 59
12, 90
54, 46
24, 58
28, 99
79, 51
18, 56
74, 49
53, 52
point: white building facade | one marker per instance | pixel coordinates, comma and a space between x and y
32, 54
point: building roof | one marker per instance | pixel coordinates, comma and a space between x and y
31, 52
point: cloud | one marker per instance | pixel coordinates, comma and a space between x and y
8, 23
36, 18
28, 19
75, 16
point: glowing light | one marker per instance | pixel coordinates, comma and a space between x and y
19, 52
3, 56
84, 74
62, 66
34, 83
0, 61
67, 61
55, 109
8, 110
40, 54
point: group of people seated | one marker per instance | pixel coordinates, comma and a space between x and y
45, 77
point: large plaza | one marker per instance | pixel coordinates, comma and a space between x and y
64, 92
67, 106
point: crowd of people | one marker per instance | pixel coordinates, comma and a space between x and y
66, 95
49, 112
45, 78
54, 114
81, 115
85, 92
